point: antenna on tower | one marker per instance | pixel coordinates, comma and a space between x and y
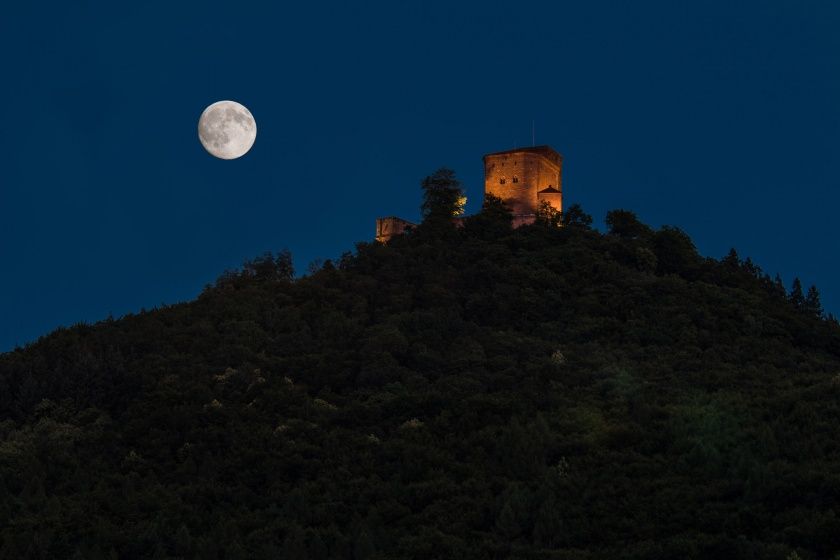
533, 136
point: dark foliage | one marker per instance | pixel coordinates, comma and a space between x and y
547, 215
441, 197
624, 223
535, 393
492, 223
575, 217
812, 302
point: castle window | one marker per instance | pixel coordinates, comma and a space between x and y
502, 181
515, 179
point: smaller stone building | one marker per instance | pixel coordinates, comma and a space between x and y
388, 227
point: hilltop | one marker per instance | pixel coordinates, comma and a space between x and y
479, 393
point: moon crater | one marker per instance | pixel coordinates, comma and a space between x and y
227, 129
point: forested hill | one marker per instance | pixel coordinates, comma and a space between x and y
478, 393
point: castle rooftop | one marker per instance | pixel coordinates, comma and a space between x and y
547, 151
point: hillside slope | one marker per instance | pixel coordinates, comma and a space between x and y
475, 393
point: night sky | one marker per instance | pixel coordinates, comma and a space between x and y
722, 118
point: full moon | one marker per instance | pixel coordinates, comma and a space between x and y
227, 129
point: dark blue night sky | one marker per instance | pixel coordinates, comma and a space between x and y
722, 118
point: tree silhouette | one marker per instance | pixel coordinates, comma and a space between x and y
493, 221
442, 197
796, 297
779, 286
812, 302
675, 252
731, 259
624, 223
548, 215
575, 217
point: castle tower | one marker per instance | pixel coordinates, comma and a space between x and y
523, 178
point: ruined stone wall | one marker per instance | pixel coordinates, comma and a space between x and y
386, 228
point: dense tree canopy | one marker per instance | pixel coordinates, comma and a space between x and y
541, 392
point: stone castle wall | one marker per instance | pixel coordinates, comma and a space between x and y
386, 228
523, 178
517, 176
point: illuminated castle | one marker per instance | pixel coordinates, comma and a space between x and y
522, 178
